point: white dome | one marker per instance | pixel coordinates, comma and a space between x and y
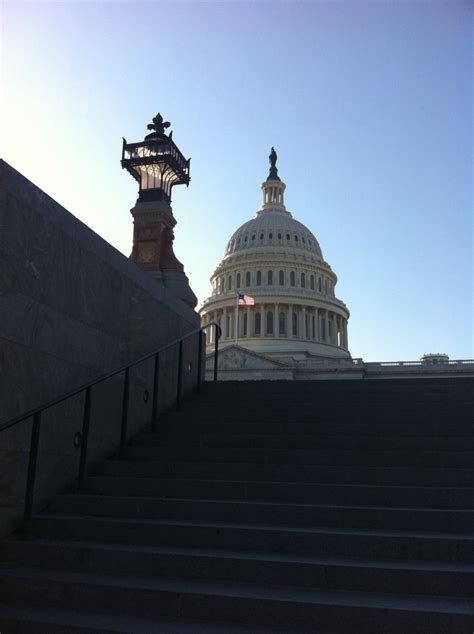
275, 263
273, 229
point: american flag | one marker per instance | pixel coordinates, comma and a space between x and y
246, 300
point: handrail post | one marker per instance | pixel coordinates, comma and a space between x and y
180, 376
216, 350
85, 438
199, 368
125, 399
156, 374
31, 477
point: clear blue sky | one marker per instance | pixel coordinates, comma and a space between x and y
368, 104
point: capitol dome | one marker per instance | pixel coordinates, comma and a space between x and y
278, 263
273, 229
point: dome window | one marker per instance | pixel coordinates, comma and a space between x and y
258, 324
270, 235
270, 323
319, 284
261, 236
296, 238
253, 237
270, 278
259, 278
294, 324
229, 283
282, 324
309, 242
303, 240
238, 241
287, 236
245, 239
279, 236
312, 282
247, 278
281, 278
238, 280
292, 279
303, 280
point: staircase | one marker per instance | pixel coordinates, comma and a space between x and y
326, 507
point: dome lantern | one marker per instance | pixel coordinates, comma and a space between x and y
273, 188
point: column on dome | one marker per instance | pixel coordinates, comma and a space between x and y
289, 325
211, 329
335, 330
254, 321
248, 312
236, 322
239, 315
301, 322
205, 321
214, 332
225, 333
324, 330
263, 321
346, 346
316, 320
276, 320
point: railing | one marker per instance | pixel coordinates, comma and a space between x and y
421, 364
36, 413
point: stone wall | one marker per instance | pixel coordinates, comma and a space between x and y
72, 309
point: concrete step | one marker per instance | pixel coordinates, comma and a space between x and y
247, 604
402, 577
353, 442
24, 619
182, 427
397, 518
346, 494
386, 475
346, 413
367, 457
318, 542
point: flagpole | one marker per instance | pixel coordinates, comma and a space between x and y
237, 324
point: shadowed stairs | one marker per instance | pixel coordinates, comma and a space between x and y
326, 507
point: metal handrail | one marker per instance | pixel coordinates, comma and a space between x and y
36, 413
104, 377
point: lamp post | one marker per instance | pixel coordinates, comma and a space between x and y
157, 165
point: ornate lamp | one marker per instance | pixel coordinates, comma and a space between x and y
157, 165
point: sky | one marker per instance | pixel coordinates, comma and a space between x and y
368, 104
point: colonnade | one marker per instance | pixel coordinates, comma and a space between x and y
279, 320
